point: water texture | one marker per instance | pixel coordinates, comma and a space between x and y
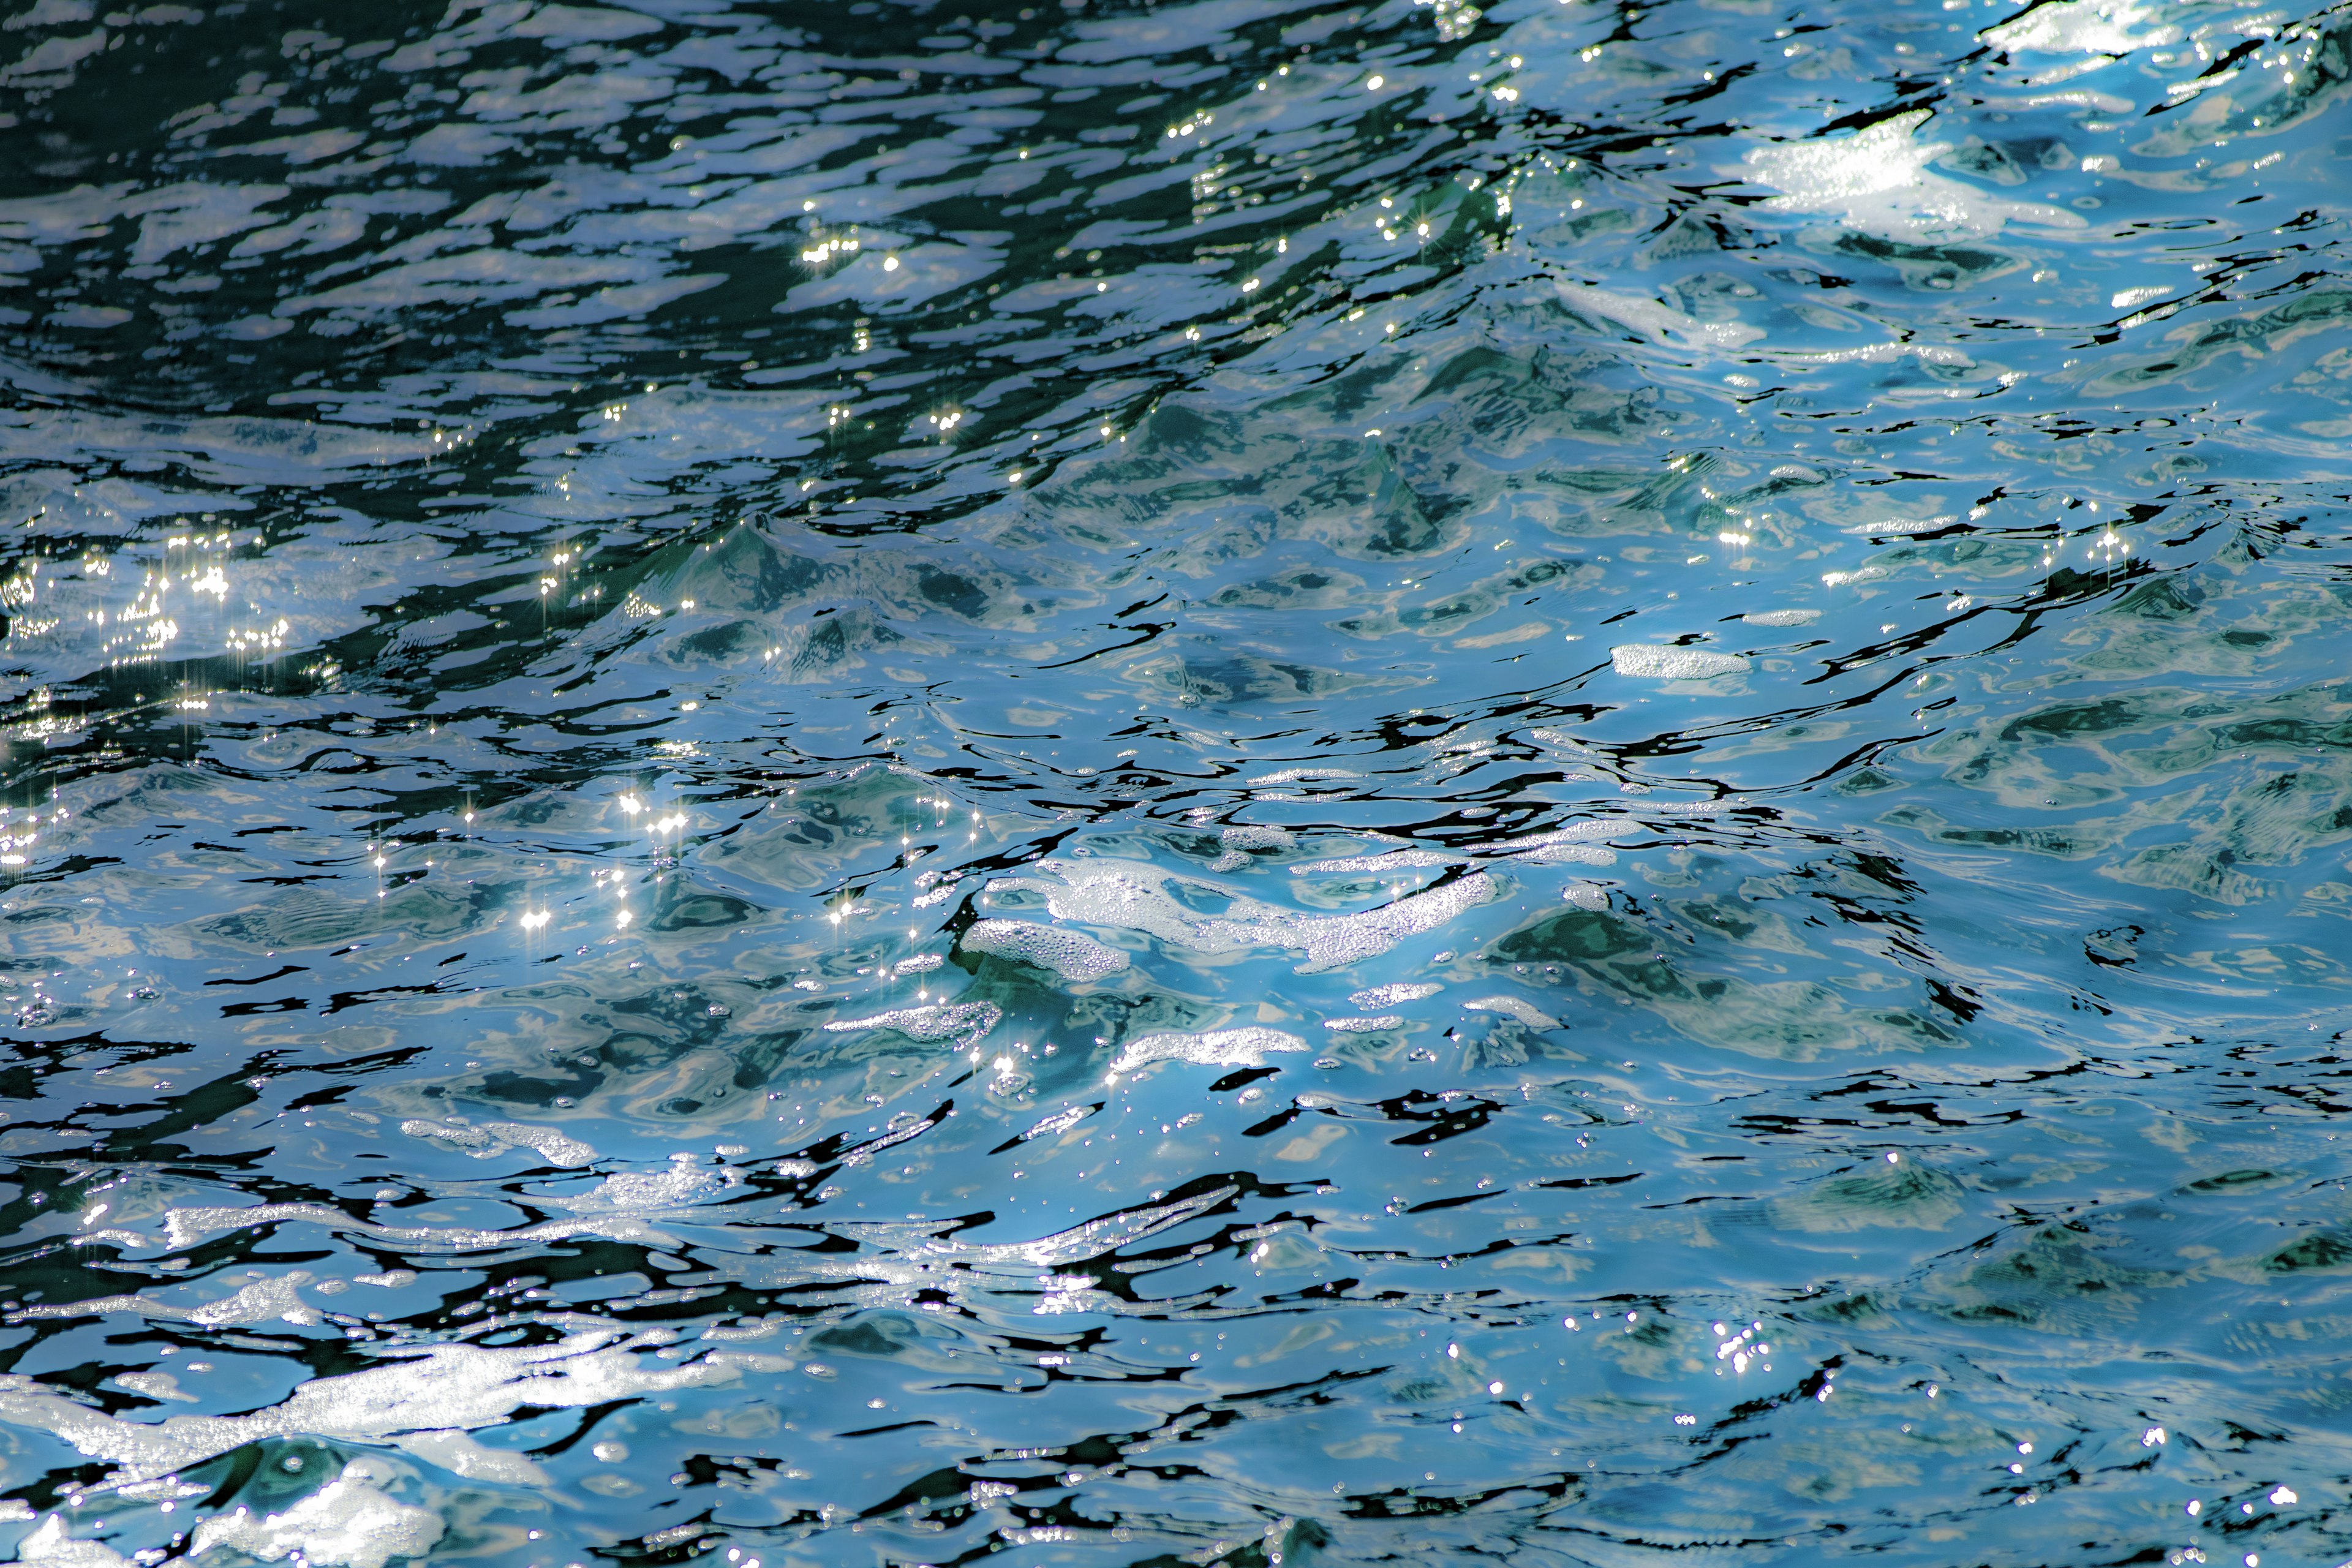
1236, 783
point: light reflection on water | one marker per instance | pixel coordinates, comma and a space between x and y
1209, 784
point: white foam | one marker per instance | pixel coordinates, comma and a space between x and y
262, 1301
1236, 842
347, 1523
155, 1385
964, 1023
185, 1227
472, 1139
444, 1387
1565, 846
1060, 1121
550, 1145
1903, 525
1653, 662
1334, 941
1781, 618
1876, 180
1375, 865
1881, 354
97, 1307
1365, 1025
457, 1452
1089, 1239
1244, 1048
1512, 1007
2104, 28
1655, 319
1133, 895
1298, 775
648, 1192
1070, 954
1390, 995
52, 1547
390, 1279
2071, 97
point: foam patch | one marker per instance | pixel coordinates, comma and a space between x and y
1070, 954
446, 1387
347, 1523
1245, 1047
1651, 662
1876, 180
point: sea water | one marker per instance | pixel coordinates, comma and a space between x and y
1092, 783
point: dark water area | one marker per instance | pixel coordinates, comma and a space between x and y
887, 783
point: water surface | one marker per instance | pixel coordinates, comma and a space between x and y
1227, 783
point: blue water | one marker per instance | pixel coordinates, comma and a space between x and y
1219, 784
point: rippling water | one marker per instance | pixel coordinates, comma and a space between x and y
1236, 783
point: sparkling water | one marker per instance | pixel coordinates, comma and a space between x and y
861, 784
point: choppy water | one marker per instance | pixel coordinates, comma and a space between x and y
1244, 782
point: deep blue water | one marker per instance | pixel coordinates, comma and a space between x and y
863, 784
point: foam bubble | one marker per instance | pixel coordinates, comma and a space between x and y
645, 1192
1069, 954
1244, 1048
52, 1547
550, 1145
1237, 841
1512, 1007
185, 1227
1334, 941
2101, 28
156, 1385
445, 1388
348, 1521
264, 1301
259, 1303
1298, 775
497, 1136
1565, 846
1390, 995
1091, 1239
1060, 1121
1653, 662
1365, 1025
1133, 895
964, 1023
1905, 525
1781, 618
474, 1139
457, 1452
1876, 180
1882, 353
1375, 865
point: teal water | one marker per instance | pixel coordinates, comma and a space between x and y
1218, 783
